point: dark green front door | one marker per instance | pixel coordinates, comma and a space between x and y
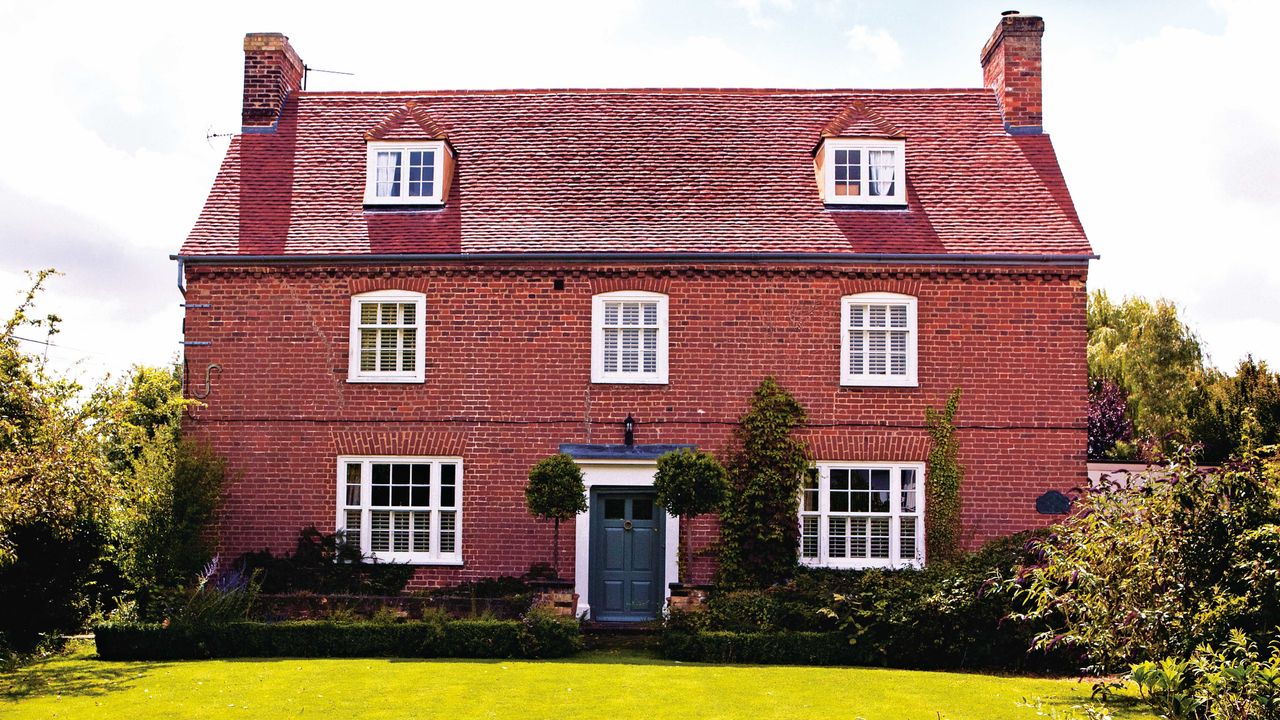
627, 551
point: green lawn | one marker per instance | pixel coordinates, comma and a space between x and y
596, 685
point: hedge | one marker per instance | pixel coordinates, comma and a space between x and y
763, 648
532, 638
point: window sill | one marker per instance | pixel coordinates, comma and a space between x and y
408, 559
402, 207
899, 205
865, 564
863, 382
628, 381
386, 380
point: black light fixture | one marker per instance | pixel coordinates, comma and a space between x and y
629, 431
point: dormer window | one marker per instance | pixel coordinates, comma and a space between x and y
405, 173
863, 172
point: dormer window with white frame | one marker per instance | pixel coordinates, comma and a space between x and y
405, 173
629, 338
863, 172
878, 340
387, 337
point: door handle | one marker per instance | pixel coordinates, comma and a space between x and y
627, 525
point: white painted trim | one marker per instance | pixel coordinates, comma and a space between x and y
895, 515
617, 473
598, 374
911, 379
354, 373
899, 196
434, 557
437, 174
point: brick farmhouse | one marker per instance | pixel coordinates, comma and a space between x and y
411, 297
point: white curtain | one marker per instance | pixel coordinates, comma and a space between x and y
880, 168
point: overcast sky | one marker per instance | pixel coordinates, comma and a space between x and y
1166, 118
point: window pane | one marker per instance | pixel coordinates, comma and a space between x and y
650, 351
611, 350
448, 485
615, 508
642, 509
809, 537
857, 316
448, 532
908, 490
408, 313
368, 313
630, 313
630, 350
611, 313
880, 491
400, 532
879, 537
907, 539
651, 313
858, 537
380, 535
422, 532
837, 537
387, 180
409, 350
420, 495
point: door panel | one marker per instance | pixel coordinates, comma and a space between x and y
627, 555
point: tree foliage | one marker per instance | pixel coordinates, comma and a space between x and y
1229, 407
1156, 566
1147, 350
1109, 422
689, 483
556, 492
945, 476
759, 533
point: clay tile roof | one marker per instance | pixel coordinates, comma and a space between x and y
639, 171
859, 120
409, 122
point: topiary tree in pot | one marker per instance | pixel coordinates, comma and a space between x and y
689, 483
556, 492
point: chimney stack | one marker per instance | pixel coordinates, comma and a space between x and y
1011, 66
272, 72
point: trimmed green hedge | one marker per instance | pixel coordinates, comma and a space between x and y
535, 637
763, 648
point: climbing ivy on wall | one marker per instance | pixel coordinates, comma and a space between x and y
943, 478
759, 535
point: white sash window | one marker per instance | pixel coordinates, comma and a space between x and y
629, 338
863, 515
878, 343
386, 342
402, 509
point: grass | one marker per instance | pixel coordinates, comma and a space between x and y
614, 685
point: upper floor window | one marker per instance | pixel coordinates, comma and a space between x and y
402, 509
387, 329
405, 173
629, 337
878, 340
864, 172
863, 515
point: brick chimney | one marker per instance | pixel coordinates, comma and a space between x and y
272, 72
1011, 66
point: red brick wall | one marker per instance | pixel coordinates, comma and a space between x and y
507, 368
272, 71
1011, 64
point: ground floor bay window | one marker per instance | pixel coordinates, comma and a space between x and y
863, 515
402, 509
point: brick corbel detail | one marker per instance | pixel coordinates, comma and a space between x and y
389, 282
647, 283
904, 286
398, 442
869, 448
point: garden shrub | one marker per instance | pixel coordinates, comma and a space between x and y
325, 563
1234, 683
773, 648
948, 615
1157, 567
536, 637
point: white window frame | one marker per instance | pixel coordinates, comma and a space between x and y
371, 173
354, 373
895, 516
911, 378
598, 373
366, 462
899, 195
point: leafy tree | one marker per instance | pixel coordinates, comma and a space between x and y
55, 491
759, 533
689, 483
1225, 402
556, 492
1148, 351
1109, 422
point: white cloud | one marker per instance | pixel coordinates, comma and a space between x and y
756, 11
876, 47
1171, 146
